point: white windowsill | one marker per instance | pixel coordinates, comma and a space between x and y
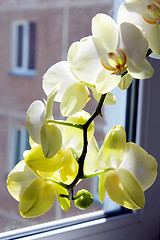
91, 223
31, 73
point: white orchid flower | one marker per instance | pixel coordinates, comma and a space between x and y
35, 195
73, 94
146, 15
134, 170
114, 50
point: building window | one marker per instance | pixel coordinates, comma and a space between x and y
24, 47
19, 143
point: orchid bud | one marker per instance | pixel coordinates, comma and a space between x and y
83, 199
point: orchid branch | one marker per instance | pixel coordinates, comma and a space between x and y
85, 142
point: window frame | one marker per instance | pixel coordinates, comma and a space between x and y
141, 224
24, 69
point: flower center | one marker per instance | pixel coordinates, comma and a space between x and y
115, 62
152, 13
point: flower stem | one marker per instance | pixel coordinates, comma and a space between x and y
85, 142
64, 123
57, 182
96, 173
81, 159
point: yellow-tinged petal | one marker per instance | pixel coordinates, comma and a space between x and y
19, 179
51, 139
140, 71
72, 52
133, 12
70, 169
59, 73
36, 160
131, 38
34, 120
125, 82
106, 81
152, 34
74, 99
105, 28
49, 104
123, 188
91, 156
73, 137
63, 201
84, 59
100, 162
102, 179
142, 165
110, 99
114, 146
32, 143
37, 199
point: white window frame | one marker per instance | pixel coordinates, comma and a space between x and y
23, 70
142, 224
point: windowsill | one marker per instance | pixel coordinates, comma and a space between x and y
82, 225
23, 74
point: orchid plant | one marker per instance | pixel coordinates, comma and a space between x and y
63, 153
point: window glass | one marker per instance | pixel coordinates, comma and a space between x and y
20, 47
19, 142
23, 47
59, 24
32, 45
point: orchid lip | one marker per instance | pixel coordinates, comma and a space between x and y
152, 13
115, 62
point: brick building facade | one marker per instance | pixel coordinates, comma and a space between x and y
57, 23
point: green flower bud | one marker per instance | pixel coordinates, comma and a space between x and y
83, 199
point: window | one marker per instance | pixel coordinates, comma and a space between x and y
24, 47
19, 142
107, 221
